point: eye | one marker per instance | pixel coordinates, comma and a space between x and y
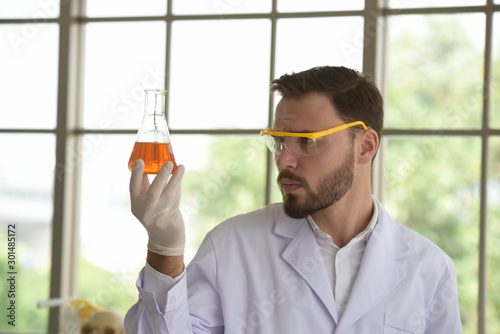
306, 141
309, 146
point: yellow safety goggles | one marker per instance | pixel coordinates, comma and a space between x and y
302, 144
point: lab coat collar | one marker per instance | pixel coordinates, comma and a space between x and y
303, 255
378, 275
288, 227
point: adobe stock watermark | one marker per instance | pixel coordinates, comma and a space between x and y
31, 27
226, 6
11, 273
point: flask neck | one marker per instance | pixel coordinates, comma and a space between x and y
154, 124
154, 102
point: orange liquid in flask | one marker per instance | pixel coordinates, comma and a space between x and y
154, 156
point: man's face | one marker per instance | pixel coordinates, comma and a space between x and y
312, 183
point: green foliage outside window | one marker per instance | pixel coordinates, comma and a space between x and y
435, 79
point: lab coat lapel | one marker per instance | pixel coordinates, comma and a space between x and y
379, 272
303, 255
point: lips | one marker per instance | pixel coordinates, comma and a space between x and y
289, 185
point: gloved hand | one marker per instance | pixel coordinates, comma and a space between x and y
157, 208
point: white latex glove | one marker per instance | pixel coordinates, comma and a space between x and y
157, 207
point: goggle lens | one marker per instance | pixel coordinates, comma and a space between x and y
295, 145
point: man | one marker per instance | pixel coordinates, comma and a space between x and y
329, 259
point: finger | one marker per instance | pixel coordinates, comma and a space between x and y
136, 179
172, 191
175, 181
161, 179
145, 183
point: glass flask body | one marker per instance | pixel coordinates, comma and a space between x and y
153, 144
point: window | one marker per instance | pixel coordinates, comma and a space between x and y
71, 101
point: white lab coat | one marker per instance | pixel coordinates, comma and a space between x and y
262, 272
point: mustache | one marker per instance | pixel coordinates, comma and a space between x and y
287, 174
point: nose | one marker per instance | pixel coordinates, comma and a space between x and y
285, 159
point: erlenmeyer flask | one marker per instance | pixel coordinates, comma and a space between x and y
153, 138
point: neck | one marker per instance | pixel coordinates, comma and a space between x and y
345, 219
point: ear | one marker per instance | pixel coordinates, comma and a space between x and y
369, 142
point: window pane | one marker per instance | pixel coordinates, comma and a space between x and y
318, 5
112, 241
305, 43
224, 178
34, 10
432, 186
121, 60
434, 3
28, 63
493, 239
26, 190
221, 7
427, 68
113, 8
495, 78
219, 76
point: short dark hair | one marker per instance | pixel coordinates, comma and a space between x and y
352, 93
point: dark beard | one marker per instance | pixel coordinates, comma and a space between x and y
332, 187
